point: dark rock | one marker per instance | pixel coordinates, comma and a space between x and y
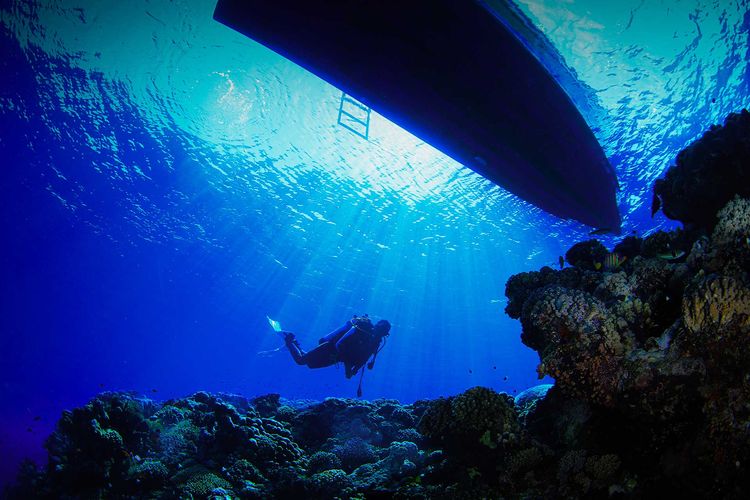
354, 452
586, 254
708, 174
629, 247
526, 401
323, 460
267, 405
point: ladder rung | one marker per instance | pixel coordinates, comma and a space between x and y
354, 118
364, 121
356, 132
357, 104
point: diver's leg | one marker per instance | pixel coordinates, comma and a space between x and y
294, 348
323, 355
297, 353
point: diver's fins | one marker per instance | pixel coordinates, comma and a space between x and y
274, 324
267, 354
277, 329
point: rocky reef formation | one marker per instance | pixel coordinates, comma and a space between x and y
650, 360
226, 446
472, 445
707, 175
648, 346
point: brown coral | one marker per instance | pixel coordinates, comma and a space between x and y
479, 418
728, 252
716, 305
734, 223
578, 342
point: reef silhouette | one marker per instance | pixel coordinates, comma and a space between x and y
648, 351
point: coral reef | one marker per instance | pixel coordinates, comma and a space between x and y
204, 446
650, 363
647, 345
707, 174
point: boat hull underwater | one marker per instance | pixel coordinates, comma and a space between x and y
454, 75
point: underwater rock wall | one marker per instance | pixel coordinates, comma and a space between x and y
650, 360
648, 345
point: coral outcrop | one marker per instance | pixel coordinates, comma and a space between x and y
650, 362
707, 174
586, 254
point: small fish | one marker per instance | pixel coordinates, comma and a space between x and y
601, 230
505, 377
597, 265
672, 256
494, 367
101, 386
561, 261
29, 429
613, 260
655, 204
37, 418
470, 371
154, 390
700, 245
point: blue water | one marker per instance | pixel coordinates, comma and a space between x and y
167, 183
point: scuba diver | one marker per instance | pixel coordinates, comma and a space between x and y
352, 344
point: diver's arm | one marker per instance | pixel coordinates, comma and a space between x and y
374, 355
349, 370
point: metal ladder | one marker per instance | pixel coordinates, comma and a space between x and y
358, 123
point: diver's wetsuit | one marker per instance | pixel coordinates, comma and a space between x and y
339, 345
